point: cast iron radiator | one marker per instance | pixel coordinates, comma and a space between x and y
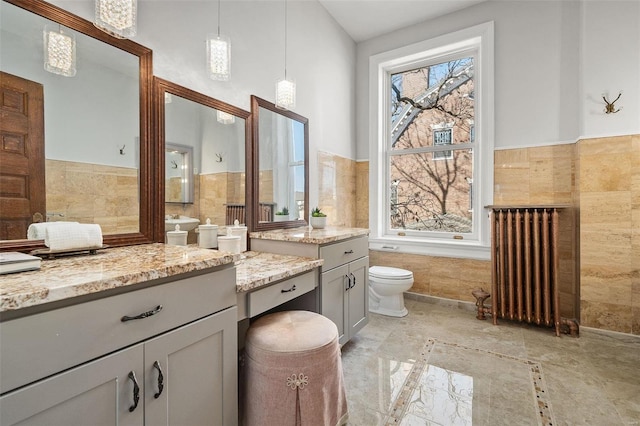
524, 267
237, 211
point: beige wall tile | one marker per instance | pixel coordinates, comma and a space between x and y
337, 175
362, 194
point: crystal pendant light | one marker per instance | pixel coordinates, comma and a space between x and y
117, 17
218, 54
59, 52
285, 89
225, 117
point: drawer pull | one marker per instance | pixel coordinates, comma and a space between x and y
354, 281
136, 391
348, 285
142, 315
287, 291
348, 252
156, 365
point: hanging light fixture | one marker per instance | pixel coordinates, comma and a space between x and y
285, 89
225, 117
59, 51
117, 17
218, 54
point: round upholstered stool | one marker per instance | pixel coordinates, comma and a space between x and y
293, 371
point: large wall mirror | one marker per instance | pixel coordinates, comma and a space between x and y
280, 173
205, 142
86, 136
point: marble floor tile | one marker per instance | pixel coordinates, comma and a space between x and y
441, 366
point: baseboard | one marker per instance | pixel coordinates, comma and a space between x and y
441, 301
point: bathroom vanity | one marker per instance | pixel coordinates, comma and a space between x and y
133, 335
343, 277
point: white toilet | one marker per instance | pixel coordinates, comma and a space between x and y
386, 287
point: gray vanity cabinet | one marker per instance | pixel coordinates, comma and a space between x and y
344, 295
344, 278
183, 358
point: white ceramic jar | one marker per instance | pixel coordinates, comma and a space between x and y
177, 237
208, 235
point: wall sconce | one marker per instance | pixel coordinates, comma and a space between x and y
218, 54
59, 52
225, 118
285, 89
117, 17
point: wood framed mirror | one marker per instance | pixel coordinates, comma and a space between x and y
218, 135
279, 167
92, 139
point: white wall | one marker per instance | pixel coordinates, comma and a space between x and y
610, 64
539, 99
321, 59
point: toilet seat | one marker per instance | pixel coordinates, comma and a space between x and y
388, 273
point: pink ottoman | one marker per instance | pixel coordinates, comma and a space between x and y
293, 371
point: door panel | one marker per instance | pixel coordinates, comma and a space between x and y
333, 304
199, 373
359, 296
98, 393
22, 173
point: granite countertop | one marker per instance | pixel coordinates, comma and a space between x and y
309, 235
73, 276
258, 269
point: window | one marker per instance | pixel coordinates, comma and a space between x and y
426, 101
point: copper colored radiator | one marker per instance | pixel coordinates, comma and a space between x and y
235, 212
524, 258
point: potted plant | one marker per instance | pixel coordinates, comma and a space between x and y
281, 215
318, 219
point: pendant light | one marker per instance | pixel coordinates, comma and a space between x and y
225, 117
117, 17
59, 51
218, 54
285, 89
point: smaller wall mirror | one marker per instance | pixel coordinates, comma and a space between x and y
178, 174
280, 167
203, 167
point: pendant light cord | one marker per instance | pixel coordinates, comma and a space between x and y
285, 39
219, 1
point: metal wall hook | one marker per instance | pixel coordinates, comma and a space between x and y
610, 106
122, 150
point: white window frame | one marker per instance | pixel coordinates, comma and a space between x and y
478, 42
443, 152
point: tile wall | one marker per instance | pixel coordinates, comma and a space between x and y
93, 193
599, 178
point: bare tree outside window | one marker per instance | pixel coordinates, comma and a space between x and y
431, 152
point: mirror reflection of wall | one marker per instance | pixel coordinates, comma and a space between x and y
91, 123
178, 175
218, 144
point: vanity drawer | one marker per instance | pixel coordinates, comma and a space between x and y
343, 252
262, 300
42, 344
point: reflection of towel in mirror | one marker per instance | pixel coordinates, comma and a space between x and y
72, 236
37, 231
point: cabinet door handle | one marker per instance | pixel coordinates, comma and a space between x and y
354, 281
293, 288
348, 252
136, 391
142, 315
156, 365
348, 285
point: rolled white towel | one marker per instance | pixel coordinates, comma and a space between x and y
36, 231
78, 236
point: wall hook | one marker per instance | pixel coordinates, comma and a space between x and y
174, 165
219, 157
122, 150
610, 106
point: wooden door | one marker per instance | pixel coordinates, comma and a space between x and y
22, 176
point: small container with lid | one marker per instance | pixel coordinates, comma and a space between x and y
229, 242
208, 235
240, 231
177, 237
